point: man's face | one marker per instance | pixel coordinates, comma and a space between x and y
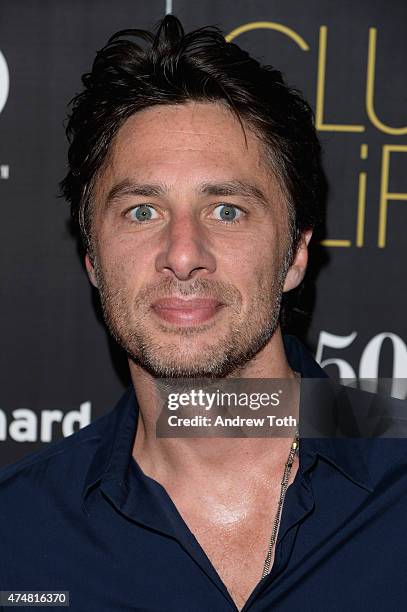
185, 210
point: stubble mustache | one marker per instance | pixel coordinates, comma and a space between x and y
225, 293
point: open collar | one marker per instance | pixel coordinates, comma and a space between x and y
113, 456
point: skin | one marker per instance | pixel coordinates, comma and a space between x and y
224, 486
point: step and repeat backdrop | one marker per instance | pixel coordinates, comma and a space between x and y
59, 369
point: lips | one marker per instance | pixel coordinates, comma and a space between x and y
186, 312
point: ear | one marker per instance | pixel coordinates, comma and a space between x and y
90, 270
296, 271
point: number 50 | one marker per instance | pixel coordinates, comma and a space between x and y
369, 360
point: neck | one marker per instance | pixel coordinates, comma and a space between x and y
166, 459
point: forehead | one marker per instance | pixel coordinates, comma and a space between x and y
201, 139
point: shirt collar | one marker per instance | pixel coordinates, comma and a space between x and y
116, 441
348, 455
113, 455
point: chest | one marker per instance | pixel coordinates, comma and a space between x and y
235, 533
350, 551
237, 551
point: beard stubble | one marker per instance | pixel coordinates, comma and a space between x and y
242, 337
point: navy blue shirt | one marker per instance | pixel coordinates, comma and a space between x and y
81, 516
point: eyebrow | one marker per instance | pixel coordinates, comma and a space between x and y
225, 188
126, 187
235, 188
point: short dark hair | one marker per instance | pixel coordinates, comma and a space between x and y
172, 67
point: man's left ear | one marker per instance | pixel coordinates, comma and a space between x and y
90, 269
296, 271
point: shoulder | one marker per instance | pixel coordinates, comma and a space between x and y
41, 499
75, 451
379, 422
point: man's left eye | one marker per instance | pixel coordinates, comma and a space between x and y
143, 212
228, 212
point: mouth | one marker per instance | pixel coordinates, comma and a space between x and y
186, 312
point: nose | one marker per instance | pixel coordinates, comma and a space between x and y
185, 252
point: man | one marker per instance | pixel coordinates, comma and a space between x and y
195, 179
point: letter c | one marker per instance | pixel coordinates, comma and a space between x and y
269, 25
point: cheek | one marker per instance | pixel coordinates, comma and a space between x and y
254, 275
122, 261
260, 259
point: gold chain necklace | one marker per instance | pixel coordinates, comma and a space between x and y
284, 485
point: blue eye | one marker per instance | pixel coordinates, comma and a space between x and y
229, 214
141, 213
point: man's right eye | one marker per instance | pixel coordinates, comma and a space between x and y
143, 212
